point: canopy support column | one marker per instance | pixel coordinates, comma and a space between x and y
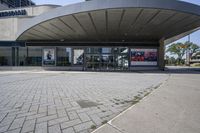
161, 53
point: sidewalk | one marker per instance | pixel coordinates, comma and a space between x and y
172, 108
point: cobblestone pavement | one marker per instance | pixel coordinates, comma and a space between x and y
67, 102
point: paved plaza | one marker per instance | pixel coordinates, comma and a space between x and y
172, 108
68, 102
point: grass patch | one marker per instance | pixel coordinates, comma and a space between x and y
104, 122
134, 102
116, 99
140, 92
138, 97
156, 87
122, 102
146, 94
127, 101
93, 127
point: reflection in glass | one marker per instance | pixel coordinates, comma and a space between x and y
106, 50
107, 58
93, 50
107, 62
64, 56
121, 62
5, 56
78, 56
34, 57
123, 50
22, 56
93, 61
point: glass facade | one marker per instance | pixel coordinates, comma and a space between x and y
5, 56
22, 60
64, 56
106, 58
34, 56
122, 58
89, 58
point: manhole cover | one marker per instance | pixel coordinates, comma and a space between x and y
87, 103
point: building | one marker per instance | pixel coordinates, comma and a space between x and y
195, 58
8, 4
94, 35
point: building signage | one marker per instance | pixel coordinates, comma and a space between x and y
49, 57
144, 57
13, 13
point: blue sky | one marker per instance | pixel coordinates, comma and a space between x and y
195, 37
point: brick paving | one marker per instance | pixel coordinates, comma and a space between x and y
67, 102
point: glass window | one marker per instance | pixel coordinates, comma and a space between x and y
64, 56
78, 56
106, 50
34, 57
93, 50
109, 58
22, 56
107, 61
122, 50
121, 61
5, 56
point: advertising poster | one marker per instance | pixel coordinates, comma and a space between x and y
144, 57
49, 57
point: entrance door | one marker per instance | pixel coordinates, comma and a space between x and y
121, 62
93, 61
106, 58
107, 62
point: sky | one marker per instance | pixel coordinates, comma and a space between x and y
194, 37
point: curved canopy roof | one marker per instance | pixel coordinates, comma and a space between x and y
114, 20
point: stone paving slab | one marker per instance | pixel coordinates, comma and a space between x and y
44, 101
173, 108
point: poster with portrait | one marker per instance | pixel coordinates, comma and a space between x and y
144, 57
49, 57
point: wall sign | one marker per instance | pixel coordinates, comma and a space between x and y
13, 13
49, 57
144, 57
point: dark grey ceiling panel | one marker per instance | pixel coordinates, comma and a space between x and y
100, 22
71, 22
129, 17
86, 23
114, 17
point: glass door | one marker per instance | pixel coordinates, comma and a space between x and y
106, 58
93, 62
121, 62
107, 62
121, 58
